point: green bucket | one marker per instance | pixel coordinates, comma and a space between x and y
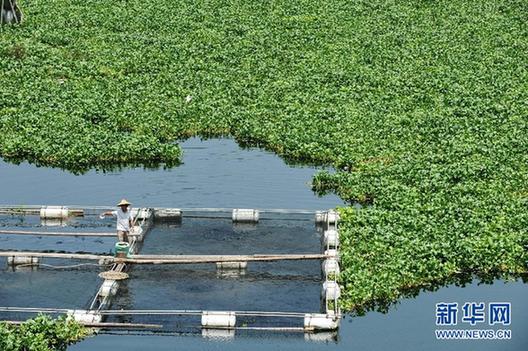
122, 249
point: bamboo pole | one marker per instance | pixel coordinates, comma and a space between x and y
153, 312
227, 257
55, 255
106, 325
35, 209
190, 259
169, 259
200, 312
183, 259
279, 329
44, 233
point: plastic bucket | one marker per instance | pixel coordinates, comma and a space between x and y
122, 249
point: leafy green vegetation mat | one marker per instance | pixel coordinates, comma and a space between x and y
421, 106
41, 333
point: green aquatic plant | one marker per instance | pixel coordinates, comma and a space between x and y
42, 333
420, 107
384, 259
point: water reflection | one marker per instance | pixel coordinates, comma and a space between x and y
214, 173
218, 173
459, 280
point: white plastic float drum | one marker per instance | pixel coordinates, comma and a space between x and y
245, 215
231, 265
330, 266
331, 238
320, 217
331, 290
22, 260
54, 212
109, 288
213, 319
332, 253
319, 321
168, 213
83, 316
332, 217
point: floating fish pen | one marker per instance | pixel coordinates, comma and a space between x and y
216, 270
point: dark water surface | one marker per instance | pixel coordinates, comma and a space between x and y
289, 286
409, 326
91, 224
217, 173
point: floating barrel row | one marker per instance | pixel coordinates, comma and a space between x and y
331, 291
222, 319
238, 215
227, 320
58, 212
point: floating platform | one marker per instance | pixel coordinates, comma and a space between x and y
56, 221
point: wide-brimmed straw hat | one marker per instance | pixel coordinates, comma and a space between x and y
124, 202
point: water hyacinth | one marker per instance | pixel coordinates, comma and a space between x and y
419, 106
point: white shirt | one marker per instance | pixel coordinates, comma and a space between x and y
122, 219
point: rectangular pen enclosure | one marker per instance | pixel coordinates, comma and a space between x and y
262, 293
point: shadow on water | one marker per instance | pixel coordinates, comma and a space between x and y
155, 165
104, 167
460, 280
214, 173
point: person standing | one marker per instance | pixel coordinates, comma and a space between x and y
124, 219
